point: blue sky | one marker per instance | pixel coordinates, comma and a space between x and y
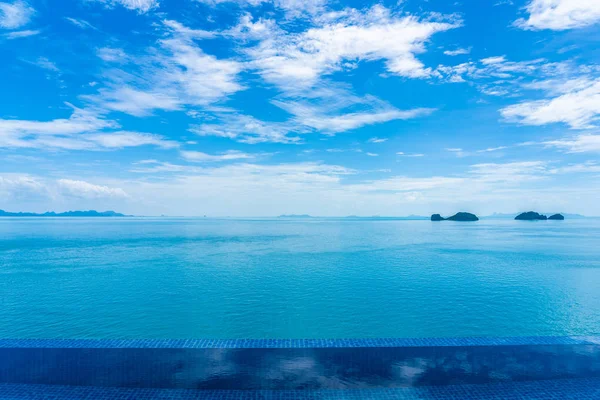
264, 107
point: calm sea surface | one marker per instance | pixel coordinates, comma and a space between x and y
321, 278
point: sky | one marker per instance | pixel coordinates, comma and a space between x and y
321, 107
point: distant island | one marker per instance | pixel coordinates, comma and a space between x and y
531, 216
295, 216
534, 216
90, 213
461, 217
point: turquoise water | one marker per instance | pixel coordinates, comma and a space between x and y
322, 278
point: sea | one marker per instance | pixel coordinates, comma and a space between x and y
212, 278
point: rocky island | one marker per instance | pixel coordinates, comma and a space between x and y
557, 217
461, 216
530, 216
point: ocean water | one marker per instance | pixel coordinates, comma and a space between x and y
315, 278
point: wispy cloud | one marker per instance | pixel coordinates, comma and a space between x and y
292, 8
81, 23
316, 117
231, 155
403, 154
83, 130
21, 34
15, 14
176, 74
560, 14
141, 6
458, 52
578, 106
377, 140
577, 144
88, 190
247, 129
46, 64
506, 172
24, 187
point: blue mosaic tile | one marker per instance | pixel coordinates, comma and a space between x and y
295, 343
568, 389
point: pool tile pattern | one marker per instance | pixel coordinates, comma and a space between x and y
295, 343
568, 389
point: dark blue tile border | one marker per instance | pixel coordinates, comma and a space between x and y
297, 364
294, 343
580, 389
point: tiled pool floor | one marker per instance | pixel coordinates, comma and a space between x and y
580, 389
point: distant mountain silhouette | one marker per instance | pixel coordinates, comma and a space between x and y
530, 216
90, 213
557, 217
461, 216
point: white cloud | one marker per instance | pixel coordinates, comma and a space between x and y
23, 189
181, 29
510, 172
247, 29
141, 6
492, 149
45, 63
372, 154
324, 109
15, 15
122, 139
332, 121
17, 187
560, 14
21, 34
578, 106
297, 8
407, 184
587, 167
83, 24
403, 154
340, 40
500, 77
155, 166
231, 155
457, 52
176, 74
88, 190
292, 8
138, 103
83, 130
79, 121
247, 129
239, 2
377, 140
110, 54
577, 144
498, 68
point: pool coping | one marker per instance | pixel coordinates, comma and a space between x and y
295, 343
